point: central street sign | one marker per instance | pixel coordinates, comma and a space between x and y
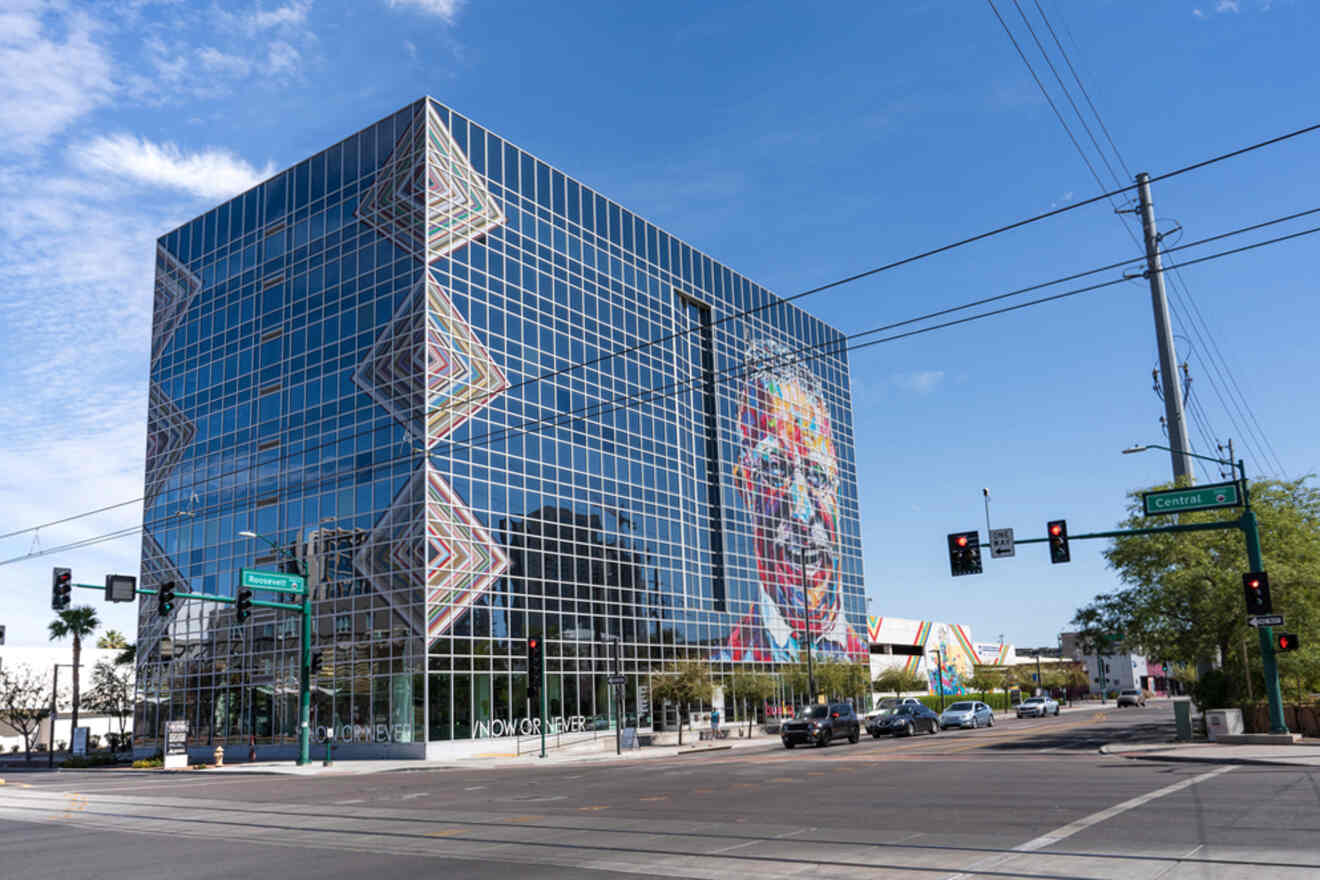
1195, 498
1264, 620
278, 581
616, 679
1001, 542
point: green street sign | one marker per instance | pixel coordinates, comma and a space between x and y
1196, 498
277, 581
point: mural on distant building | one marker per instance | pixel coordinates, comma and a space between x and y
788, 476
952, 641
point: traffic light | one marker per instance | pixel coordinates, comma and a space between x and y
243, 607
61, 586
964, 553
1285, 642
1256, 589
1057, 531
1165, 667
165, 599
534, 669
316, 662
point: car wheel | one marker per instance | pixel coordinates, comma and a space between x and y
824, 740
788, 744
875, 734
976, 722
855, 736
907, 729
1056, 711
934, 728
991, 722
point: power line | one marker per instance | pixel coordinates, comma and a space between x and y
738, 372
57, 522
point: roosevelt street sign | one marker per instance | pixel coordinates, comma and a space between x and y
278, 581
1194, 498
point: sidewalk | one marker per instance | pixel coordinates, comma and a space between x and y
497, 760
1303, 754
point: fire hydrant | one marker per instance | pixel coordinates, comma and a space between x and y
219, 756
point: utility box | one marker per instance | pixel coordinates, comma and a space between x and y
1182, 718
1223, 722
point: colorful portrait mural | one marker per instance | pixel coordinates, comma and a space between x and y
788, 477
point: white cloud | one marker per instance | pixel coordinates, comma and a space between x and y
213, 173
922, 382
46, 83
1227, 6
1198, 13
214, 60
282, 16
282, 59
411, 48
446, 9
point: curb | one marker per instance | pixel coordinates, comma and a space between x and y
1154, 752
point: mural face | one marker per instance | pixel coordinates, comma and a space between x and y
788, 476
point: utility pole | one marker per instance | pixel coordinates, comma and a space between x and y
1173, 402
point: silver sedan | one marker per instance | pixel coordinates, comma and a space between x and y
967, 713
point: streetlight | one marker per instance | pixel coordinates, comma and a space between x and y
305, 667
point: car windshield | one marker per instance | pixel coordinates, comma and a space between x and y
1034, 700
813, 712
1130, 693
961, 707
905, 710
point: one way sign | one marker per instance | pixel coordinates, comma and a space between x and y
1001, 542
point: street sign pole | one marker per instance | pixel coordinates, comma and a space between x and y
1271, 668
540, 677
305, 685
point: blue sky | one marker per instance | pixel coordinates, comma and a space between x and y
795, 146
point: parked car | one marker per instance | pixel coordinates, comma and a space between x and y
1036, 707
967, 713
1131, 697
820, 724
905, 721
887, 706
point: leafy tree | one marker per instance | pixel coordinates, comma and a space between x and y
112, 694
987, 678
688, 682
838, 679
899, 680
24, 702
1182, 598
752, 689
78, 623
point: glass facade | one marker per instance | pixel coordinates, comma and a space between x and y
475, 401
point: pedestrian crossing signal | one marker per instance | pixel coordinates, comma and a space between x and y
1285, 642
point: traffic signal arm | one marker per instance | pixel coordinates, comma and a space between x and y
228, 600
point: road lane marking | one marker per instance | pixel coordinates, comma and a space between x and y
448, 832
594, 808
1065, 831
663, 797
416, 794
523, 818
474, 788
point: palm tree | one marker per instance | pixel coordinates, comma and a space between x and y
79, 623
112, 639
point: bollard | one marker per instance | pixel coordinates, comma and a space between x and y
219, 756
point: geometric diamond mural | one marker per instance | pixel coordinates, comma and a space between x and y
168, 433
176, 288
427, 199
393, 555
461, 376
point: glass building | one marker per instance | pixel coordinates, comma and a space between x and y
476, 401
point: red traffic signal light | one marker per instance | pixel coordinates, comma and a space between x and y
1285, 642
61, 588
964, 553
1057, 532
1256, 592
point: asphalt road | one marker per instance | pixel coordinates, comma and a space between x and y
1023, 799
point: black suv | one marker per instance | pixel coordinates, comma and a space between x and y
821, 723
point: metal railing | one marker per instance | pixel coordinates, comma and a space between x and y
556, 737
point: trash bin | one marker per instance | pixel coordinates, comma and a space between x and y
1182, 718
1222, 722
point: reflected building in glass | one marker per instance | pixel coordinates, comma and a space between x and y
474, 400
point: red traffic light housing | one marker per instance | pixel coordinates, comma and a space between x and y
964, 553
535, 670
1256, 592
1057, 532
61, 588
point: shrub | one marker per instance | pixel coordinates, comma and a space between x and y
148, 763
89, 761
